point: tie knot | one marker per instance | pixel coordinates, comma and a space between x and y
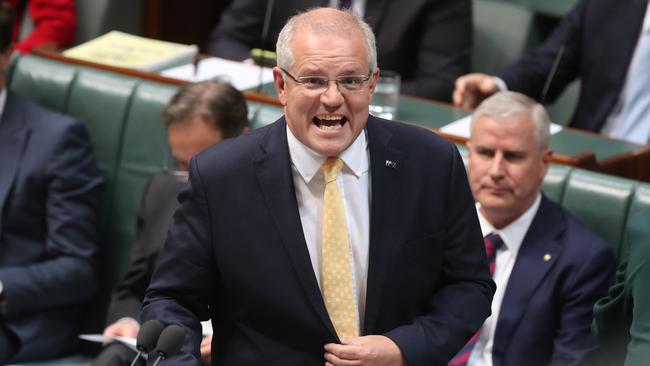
345, 4
331, 168
492, 243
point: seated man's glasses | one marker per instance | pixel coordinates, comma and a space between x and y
319, 84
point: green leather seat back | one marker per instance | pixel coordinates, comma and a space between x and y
600, 202
144, 151
44, 81
555, 181
640, 206
501, 32
101, 99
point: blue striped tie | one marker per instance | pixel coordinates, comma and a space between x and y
345, 4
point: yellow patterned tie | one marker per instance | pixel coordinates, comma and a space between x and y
338, 291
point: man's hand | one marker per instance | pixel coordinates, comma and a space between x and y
206, 350
471, 89
375, 350
123, 328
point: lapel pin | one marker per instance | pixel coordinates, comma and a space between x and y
391, 164
547, 257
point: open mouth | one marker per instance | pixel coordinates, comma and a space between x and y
329, 122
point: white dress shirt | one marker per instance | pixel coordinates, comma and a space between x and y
3, 101
354, 183
512, 236
614, 122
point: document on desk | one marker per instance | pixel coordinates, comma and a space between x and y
242, 76
461, 127
100, 338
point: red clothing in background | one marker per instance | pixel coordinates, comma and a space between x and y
55, 22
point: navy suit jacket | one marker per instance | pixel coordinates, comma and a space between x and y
427, 41
50, 191
236, 253
561, 270
598, 53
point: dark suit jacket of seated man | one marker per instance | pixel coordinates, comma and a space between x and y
240, 252
428, 42
550, 269
50, 192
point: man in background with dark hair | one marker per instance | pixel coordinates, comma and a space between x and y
50, 192
198, 116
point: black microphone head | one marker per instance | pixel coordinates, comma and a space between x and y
148, 335
171, 340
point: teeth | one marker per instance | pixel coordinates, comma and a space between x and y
330, 128
328, 117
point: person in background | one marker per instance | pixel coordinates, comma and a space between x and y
198, 116
622, 318
50, 193
614, 94
53, 23
428, 42
330, 236
549, 268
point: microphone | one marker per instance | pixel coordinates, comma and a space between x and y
565, 37
170, 341
147, 338
262, 59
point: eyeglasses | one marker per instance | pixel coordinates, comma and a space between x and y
319, 84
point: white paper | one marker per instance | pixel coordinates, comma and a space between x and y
241, 75
100, 338
461, 127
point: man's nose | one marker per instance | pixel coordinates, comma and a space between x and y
332, 96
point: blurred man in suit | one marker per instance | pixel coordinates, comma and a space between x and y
549, 268
198, 116
427, 42
50, 192
614, 97
329, 236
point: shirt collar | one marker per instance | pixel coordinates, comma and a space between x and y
3, 102
513, 234
307, 162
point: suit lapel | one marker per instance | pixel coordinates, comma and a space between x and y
385, 165
13, 137
273, 170
539, 252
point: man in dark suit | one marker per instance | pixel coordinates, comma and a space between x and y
50, 191
427, 42
198, 116
605, 36
549, 268
297, 264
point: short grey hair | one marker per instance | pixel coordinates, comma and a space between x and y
344, 23
508, 103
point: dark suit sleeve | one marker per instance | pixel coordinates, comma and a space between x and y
67, 275
463, 297
529, 74
443, 51
185, 270
239, 30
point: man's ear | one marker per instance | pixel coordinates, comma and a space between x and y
280, 86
